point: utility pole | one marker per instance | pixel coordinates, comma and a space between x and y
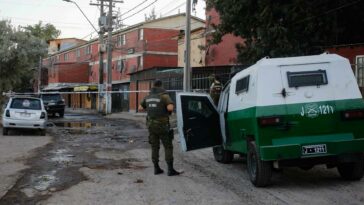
105, 23
101, 55
109, 58
39, 75
187, 68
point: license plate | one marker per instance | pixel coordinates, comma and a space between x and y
314, 149
25, 114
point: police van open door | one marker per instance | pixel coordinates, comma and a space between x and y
198, 119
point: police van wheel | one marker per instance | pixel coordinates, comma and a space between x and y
353, 170
260, 172
221, 155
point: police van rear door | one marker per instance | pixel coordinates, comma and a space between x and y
198, 121
309, 97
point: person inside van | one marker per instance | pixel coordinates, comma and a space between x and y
215, 89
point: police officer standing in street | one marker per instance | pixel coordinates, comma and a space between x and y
159, 106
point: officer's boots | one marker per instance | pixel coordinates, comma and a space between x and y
157, 169
171, 170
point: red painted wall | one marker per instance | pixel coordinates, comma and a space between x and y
70, 73
160, 60
349, 52
162, 40
225, 52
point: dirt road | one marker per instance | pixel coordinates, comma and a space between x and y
94, 160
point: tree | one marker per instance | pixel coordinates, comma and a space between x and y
19, 56
288, 28
45, 32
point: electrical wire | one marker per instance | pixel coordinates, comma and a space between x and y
139, 10
133, 8
174, 8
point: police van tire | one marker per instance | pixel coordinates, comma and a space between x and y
221, 155
260, 172
353, 170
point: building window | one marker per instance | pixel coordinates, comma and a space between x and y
88, 50
141, 34
66, 56
121, 40
359, 70
120, 65
140, 62
242, 85
78, 53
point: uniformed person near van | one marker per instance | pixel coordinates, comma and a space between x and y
159, 106
215, 89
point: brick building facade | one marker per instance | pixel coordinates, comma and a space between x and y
139, 47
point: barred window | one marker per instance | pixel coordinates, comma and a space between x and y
307, 78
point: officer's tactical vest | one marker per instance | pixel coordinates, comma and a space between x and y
155, 107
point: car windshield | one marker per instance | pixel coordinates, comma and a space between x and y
26, 103
55, 97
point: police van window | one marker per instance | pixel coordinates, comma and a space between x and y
307, 78
199, 108
242, 85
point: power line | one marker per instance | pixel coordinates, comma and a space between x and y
174, 8
133, 8
140, 10
168, 5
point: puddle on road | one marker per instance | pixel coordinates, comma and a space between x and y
79, 124
44, 181
62, 156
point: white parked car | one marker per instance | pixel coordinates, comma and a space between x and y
24, 113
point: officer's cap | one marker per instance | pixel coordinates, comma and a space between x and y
157, 83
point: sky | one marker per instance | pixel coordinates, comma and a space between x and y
67, 18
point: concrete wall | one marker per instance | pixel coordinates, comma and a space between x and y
198, 40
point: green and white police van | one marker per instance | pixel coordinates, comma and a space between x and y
296, 111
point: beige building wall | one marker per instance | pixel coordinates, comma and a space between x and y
177, 22
57, 45
198, 40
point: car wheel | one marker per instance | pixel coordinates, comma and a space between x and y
61, 114
5, 131
221, 155
353, 170
260, 172
43, 132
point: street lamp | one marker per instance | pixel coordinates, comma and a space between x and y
70, 1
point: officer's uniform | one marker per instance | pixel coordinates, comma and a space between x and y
215, 91
158, 123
